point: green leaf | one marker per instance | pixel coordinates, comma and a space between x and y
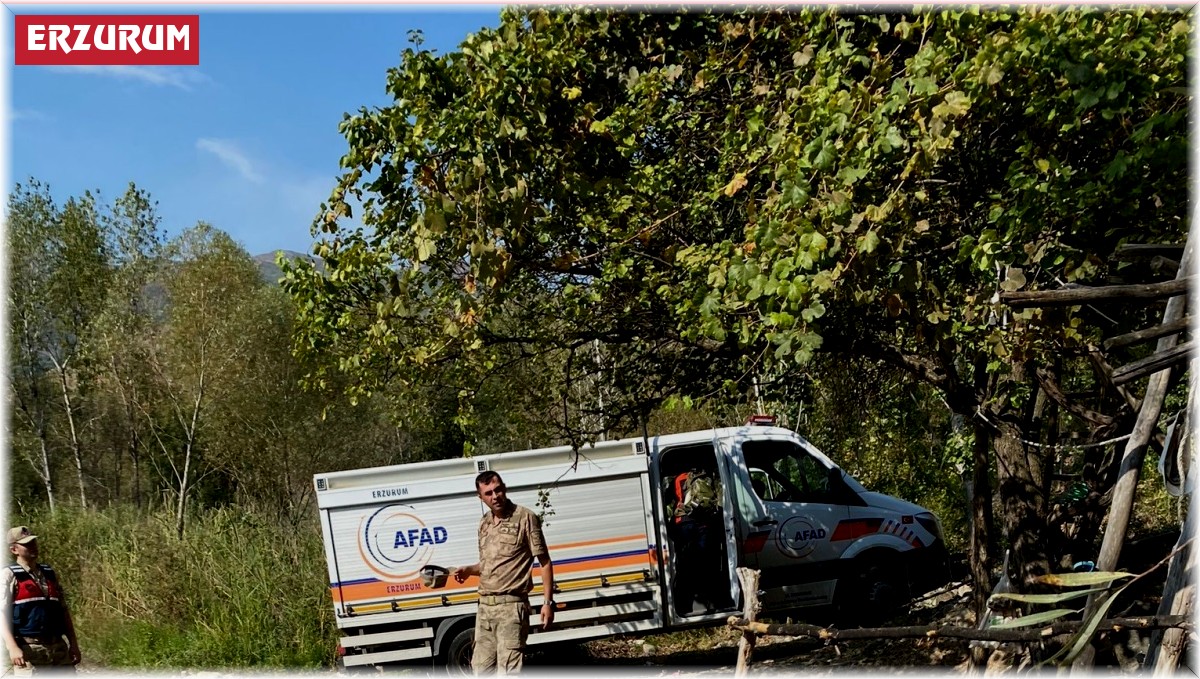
868, 242
956, 103
1035, 619
1084, 636
1045, 598
894, 138
425, 249
825, 157
813, 312
1081, 579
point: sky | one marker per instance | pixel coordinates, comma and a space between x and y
248, 140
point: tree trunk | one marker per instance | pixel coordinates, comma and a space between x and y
184, 489
180, 505
1020, 471
35, 409
76, 444
188, 450
44, 472
981, 519
135, 460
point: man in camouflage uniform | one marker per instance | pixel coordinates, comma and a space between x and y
510, 537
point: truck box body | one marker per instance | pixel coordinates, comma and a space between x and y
609, 526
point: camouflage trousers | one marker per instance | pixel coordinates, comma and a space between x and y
43, 659
500, 634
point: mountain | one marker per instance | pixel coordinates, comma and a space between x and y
272, 274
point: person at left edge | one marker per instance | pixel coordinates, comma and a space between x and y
35, 615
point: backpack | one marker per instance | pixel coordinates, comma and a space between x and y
698, 494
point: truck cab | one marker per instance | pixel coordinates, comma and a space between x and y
815, 534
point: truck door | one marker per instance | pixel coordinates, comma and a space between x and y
698, 548
800, 509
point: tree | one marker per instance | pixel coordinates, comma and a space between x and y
76, 290
31, 212
710, 197
125, 324
60, 256
196, 350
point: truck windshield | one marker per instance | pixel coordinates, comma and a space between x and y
792, 475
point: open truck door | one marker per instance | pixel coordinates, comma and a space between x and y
699, 553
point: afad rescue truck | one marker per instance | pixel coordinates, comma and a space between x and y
816, 535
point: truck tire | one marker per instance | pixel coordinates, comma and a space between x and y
458, 653
872, 593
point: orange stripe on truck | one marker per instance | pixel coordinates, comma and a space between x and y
366, 591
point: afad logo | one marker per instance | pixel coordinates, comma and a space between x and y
798, 538
396, 544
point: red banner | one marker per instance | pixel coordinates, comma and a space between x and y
107, 40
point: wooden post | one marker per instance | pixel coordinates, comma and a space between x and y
1179, 592
1135, 452
1083, 295
749, 579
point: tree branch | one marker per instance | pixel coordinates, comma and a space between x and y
1054, 391
1083, 295
1147, 334
949, 632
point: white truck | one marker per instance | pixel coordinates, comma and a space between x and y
815, 534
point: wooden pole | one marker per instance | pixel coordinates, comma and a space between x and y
749, 579
1147, 334
1159, 360
1134, 250
1083, 295
950, 632
1135, 452
1179, 591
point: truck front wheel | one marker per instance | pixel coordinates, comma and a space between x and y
871, 593
458, 654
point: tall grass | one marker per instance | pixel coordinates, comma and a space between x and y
238, 591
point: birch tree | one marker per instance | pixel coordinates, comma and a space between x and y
209, 280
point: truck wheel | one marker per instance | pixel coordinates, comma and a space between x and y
458, 654
870, 595
880, 590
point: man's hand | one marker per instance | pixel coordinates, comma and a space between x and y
547, 615
461, 574
17, 656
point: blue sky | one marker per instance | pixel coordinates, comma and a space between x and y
248, 140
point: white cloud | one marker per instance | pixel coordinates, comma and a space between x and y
26, 114
228, 152
158, 76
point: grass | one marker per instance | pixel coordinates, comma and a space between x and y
238, 591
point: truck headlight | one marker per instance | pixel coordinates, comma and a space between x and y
930, 523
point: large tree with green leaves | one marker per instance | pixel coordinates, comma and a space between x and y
121, 346
60, 271
680, 202
196, 352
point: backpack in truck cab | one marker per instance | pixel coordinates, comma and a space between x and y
697, 495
